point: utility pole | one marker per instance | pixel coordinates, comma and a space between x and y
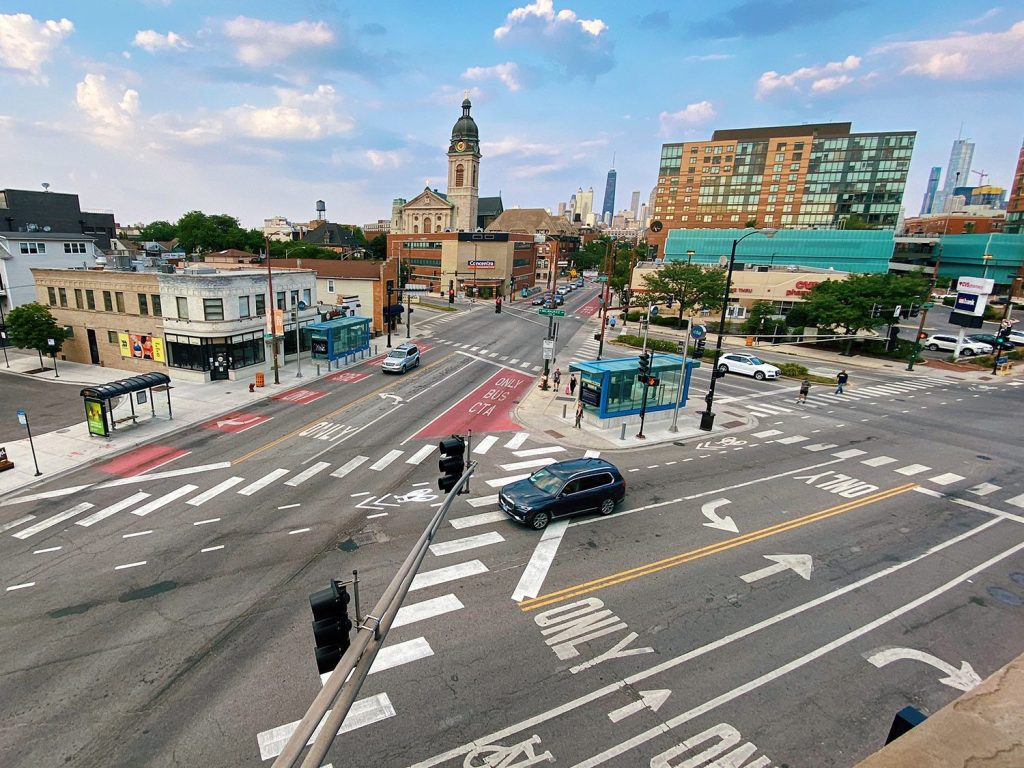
606, 296
271, 309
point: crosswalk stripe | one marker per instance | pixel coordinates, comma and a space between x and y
767, 433
912, 469
469, 542
849, 453
485, 445
427, 609
592, 454
113, 509
819, 446
385, 460
394, 656
263, 482
363, 712
514, 360
946, 478
483, 518
45, 495
307, 473
539, 451
517, 440
349, 465
421, 454
164, 500
446, 574
16, 523
983, 489
218, 489
879, 461
500, 481
483, 501
49, 522
529, 463
791, 439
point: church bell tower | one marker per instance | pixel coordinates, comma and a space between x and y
463, 170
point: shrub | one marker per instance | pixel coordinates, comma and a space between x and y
658, 345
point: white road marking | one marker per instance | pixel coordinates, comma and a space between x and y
349, 465
307, 473
543, 555
212, 549
289, 506
378, 514
930, 492
768, 433
46, 495
484, 518
946, 478
263, 482
911, 469
47, 549
483, 501
164, 475
113, 509
1017, 501
849, 453
298, 530
469, 542
394, 656
129, 565
498, 482
26, 585
16, 523
218, 489
517, 440
421, 454
49, 522
161, 501
428, 609
591, 454
819, 446
539, 451
791, 439
983, 489
357, 495
137, 533
363, 712
527, 464
485, 445
878, 461
207, 522
448, 573
386, 459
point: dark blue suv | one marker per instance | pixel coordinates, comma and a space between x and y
561, 489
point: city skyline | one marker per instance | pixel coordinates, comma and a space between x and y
154, 108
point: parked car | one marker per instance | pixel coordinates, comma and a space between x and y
562, 290
748, 365
1017, 336
562, 489
579, 282
401, 359
990, 339
948, 344
540, 298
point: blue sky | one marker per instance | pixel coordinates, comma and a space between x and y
152, 108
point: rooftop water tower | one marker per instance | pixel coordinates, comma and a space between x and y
321, 210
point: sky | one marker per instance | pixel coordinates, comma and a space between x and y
153, 108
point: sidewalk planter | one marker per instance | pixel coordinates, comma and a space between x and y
611, 393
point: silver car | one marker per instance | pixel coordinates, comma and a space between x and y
401, 359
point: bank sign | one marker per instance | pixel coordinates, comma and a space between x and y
481, 264
972, 295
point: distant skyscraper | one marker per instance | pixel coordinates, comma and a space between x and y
932, 188
608, 209
584, 203
561, 210
1015, 205
634, 203
958, 173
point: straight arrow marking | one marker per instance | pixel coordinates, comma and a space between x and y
648, 699
802, 564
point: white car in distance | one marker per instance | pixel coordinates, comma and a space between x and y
946, 343
748, 365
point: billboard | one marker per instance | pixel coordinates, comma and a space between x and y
977, 285
141, 347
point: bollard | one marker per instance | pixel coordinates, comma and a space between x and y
565, 410
318, 369
622, 432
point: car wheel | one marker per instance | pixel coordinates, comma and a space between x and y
723, 369
967, 352
539, 521
933, 347
759, 375
607, 506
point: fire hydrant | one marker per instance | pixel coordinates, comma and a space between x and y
252, 386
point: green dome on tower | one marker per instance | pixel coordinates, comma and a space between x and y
465, 126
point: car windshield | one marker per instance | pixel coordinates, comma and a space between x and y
756, 361
546, 481
396, 353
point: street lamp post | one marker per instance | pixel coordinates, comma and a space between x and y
272, 301
606, 298
707, 418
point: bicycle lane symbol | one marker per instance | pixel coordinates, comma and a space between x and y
517, 756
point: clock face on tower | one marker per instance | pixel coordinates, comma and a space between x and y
460, 146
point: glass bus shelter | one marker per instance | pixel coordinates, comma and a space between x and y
611, 393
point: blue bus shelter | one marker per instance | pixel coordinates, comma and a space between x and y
609, 388
339, 339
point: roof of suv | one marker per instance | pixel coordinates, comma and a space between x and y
572, 466
406, 346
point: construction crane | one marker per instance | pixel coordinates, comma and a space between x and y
981, 177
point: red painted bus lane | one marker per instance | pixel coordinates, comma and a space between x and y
485, 409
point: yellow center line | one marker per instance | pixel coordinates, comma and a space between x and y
711, 549
330, 415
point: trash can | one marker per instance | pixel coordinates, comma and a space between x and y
750, 341
260, 380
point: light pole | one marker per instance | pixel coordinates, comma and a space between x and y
272, 301
606, 298
707, 418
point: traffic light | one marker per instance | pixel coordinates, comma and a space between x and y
876, 310
644, 366
1002, 336
331, 625
451, 291
452, 462
653, 381
914, 310
698, 348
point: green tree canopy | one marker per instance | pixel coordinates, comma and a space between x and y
689, 284
157, 230
31, 326
197, 231
759, 317
379, 246
844, 306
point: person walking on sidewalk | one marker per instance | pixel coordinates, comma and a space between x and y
841, 378
805, 388
579, 413
558, 378
572, 384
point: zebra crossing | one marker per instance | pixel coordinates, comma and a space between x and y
871, 392
526, 366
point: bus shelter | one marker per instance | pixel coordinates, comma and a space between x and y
610, 391
339, 339
107, 405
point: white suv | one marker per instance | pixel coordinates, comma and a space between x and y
748, 365
401, 359
948, 344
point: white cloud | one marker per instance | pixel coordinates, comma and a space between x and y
991, 13
821, 79
26, 44
514, 145
152, 41
711, 57
580, 45
297, 116
692, 114
383, 159
507, 73
963, 56
264, 42
112, 115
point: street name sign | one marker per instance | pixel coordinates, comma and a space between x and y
416, 288
552, 312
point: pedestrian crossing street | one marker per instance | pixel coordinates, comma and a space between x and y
822, 396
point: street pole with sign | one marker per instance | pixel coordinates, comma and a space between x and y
3, 334
387, 311
23, 420
52, 344
298, 307
697, 332
270, 307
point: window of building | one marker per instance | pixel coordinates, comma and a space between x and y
74, 247
307, 297
69, 332
112, 337
780, 156
707, 218
108, 301
78, 298
261, 304
280, 299
90, 299
182, 302
294, 299
52, 296
143, 304
213, 309
460, 175
33, 247
119, 298
243, 306
157, 309
63, 294
330, 286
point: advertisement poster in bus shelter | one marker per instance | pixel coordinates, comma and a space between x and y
96, 417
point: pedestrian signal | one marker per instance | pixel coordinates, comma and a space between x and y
452, 462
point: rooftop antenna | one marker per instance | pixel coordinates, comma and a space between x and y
613, 161
46, 186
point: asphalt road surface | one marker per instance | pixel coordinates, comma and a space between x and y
49, 402
779, 593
